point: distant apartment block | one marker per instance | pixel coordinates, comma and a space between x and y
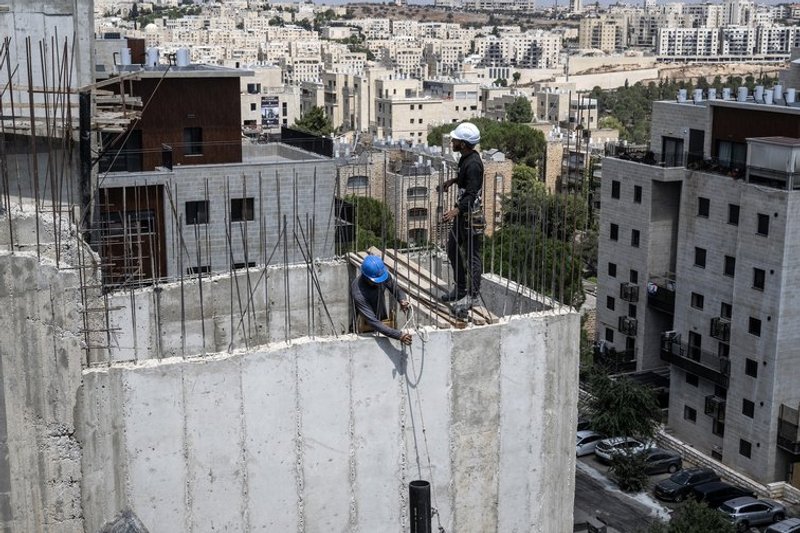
698, 270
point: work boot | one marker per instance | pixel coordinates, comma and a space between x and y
462, 306
453, 295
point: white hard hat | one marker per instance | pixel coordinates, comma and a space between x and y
467, 132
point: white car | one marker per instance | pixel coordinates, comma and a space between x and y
607, 449
585, 442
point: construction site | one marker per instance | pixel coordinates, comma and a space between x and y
178, 350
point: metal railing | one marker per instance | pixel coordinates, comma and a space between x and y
705, 364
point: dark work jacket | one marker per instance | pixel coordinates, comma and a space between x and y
470, 182
369, 300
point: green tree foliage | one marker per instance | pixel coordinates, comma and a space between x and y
374, 223
516, 76
520, 143
536, 243
315, 122
501, 82
691, 517
519, 110
621, 407
628, 473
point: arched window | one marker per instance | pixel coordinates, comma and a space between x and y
357, 182
417, 193
418, 235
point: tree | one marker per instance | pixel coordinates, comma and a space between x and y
501, 82
134, 13
519, 142
516, 76
692, 516
374, 223
519, 110
315, 122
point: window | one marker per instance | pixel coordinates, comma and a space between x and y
692, 379
730, 266
610, 302
417, 193
758, 279
763, 225
632, 310
754, 327
634, 276
237, 266
609, 335
733, 214
717, 428
417, 214
418, 235
745, 448
637, 194
751, 367
252, 107
192, 141
357, 182
242, 209
411, 106
695, 343
612, 270
615, 190
205, 269
196, 212
697, 300
689, 414
699, 257
725, 310
723, 349
703, 207
614, 232
748, 408
635, 238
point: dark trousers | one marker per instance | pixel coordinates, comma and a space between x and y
464, 247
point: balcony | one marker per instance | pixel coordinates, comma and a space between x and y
789, 430
705, 364
721, 329
627, 326
661, 294
620, 165
629, 292
715, 406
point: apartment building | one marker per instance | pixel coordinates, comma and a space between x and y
266, 103
698, 269
695, 42
608, 33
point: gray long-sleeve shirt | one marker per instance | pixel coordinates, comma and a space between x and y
369, 300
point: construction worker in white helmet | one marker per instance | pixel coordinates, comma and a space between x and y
465, 238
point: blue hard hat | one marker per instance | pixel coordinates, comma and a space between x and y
374, 269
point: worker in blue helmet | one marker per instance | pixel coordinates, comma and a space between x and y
368, 293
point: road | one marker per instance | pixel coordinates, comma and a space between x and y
594, 497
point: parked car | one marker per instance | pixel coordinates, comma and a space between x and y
658, 461
716, 493
607, 449
680, 484
584, 423
747, 511
586, 441
790, 525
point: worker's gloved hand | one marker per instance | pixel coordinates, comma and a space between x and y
405, 338
405, 306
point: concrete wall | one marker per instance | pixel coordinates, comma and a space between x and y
325, 435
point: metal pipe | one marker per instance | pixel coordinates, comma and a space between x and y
419, 504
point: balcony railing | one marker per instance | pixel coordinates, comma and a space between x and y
705, 364
629, 292
715, 406
627, 326
789, 430
721, 328
661, 294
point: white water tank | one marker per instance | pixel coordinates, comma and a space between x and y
790, 95
742, 94
768, 97
712, 93
759, 94
698, 96
777, 93
182, 57
726, 93
681, 95
125, 56
153, 57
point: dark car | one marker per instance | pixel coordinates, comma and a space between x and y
658, 461
680, 484
716, 493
